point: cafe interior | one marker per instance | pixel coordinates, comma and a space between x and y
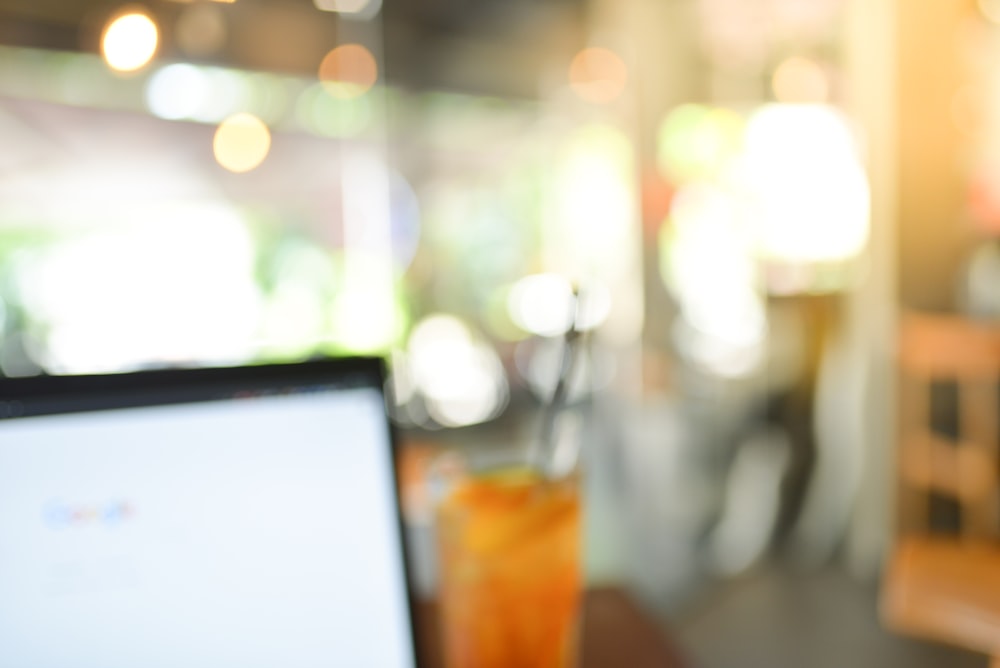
771, 223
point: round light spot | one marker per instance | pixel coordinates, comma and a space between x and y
129, 41
348, 71
542, 304
598, 75
241, 142
460, 376
799, 80
177, 91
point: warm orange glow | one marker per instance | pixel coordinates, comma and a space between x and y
799, 80
348, 71
241, 142
968, 109
990, 9
129, 41
598, 75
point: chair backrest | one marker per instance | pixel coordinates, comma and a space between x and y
948, 424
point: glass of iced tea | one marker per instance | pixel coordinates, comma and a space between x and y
509, 548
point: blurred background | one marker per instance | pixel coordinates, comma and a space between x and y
745, 193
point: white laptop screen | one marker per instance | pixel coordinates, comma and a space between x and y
258, 527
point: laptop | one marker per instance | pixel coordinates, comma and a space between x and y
213, 517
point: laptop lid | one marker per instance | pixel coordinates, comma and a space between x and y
202, 517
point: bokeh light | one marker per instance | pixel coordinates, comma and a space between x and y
984, 198
800, 80
328, 116
595, 203
174, 284
808, 190
348, 71
697, 142
360, 9
542, 304
592, 234
241, 142
598, 75
706, 258
177, 91
181, 91
460, 376
129, 41
365, 320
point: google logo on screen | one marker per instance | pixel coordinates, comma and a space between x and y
60, 515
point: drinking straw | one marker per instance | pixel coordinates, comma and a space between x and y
571, 345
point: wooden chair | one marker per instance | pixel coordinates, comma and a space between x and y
943, 579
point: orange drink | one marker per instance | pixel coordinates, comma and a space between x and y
509, 550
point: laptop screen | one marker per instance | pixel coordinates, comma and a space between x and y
205, 517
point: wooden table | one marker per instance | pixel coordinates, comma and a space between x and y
616, 633
946, 590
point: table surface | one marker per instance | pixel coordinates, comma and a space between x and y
616, 632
